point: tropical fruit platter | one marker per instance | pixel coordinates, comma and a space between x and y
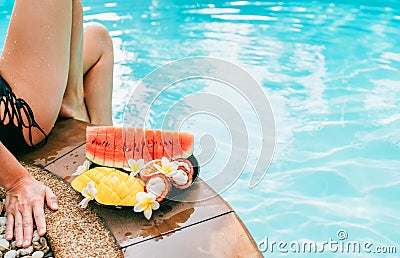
137, 168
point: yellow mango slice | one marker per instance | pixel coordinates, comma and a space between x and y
94, 174
114, 187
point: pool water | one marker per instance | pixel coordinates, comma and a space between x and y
331, 70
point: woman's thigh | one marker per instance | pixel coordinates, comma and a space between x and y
36, 54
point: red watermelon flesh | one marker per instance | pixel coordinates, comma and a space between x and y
139, 142
185, 146
91, 138
129, 142
167, 138
158, 146
102, 138
95, 140
176, 149
119, 150
149, 146
110, 146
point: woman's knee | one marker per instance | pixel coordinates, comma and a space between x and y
99, 35
97, 45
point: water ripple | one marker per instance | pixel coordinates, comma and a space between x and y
332, 73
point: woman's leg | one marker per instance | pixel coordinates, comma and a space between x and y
98, 63
36, 55
89, 88
73, 104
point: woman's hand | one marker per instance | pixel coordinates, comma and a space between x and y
25, 201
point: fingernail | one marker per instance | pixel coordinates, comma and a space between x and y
54, 204
19, 242
26, 242
9, 236
42, 231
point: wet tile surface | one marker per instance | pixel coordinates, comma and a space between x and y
130, 227
67, 135
67, 164
223, 236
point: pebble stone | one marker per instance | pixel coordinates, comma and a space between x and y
10, 254
38, 254
4, 245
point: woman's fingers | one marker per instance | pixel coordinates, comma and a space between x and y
51, 199
27, 223
9, 226
38, 214
18, 230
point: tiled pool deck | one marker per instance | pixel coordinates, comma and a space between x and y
208, 228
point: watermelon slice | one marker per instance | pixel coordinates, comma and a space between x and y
139, 143
148, 150
119, 150
167, 138
92, 140
129, 142
158, 146
109, 147
185, 147
114, 146
95, 140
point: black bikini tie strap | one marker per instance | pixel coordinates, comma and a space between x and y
14, 109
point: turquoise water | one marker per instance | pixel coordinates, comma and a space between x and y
331, 71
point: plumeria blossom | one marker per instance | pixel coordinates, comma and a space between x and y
146, 203
89, 192
167, 168
135, 166
82, 168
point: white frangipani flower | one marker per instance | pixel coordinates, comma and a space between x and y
146, 203
89, 192
167, 168
82, 168
134, 166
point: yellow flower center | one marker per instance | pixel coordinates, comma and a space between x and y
167, 170
147, 203
136, 167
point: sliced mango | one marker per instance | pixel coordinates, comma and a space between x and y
114, 187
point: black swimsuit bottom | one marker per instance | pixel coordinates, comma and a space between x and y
19, 116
